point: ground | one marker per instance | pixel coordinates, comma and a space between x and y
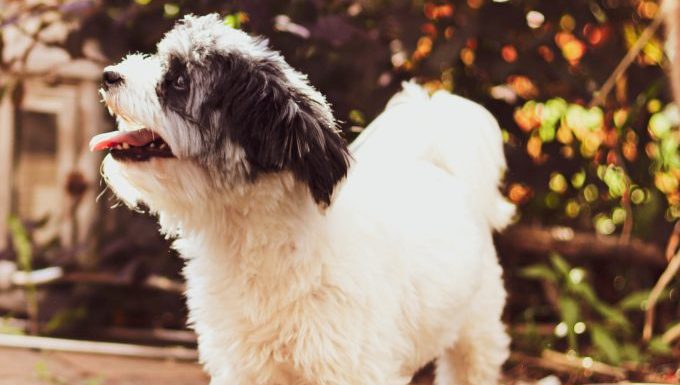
27, 367
32, 367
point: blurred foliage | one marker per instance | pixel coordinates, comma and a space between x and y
584, 316
24, 256
612, 168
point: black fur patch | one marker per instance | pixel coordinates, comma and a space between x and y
278, 126
172, 97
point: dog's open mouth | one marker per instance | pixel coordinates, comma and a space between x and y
138, 145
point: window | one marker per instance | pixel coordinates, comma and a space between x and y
36, 183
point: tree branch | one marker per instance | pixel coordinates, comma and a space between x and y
578, 244
601, 95
665, 279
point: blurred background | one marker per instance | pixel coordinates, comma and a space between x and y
580, 89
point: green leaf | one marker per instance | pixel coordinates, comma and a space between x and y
578, 179
616, 181
658, 346
558, 183
583, 290
64, 318
7, 328
605, 343
594, 118
575, 116
669, 151
22, 243
613, 315
547, 131
233, 20
570, 313
556, 107
538, 272
171, 10
631, 352
660, 125
560, 264
357, 117
634, 301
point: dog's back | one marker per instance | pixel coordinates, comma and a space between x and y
452, 133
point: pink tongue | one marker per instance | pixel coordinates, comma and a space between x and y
136, 138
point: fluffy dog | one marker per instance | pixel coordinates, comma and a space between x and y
309, 263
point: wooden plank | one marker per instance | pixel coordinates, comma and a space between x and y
93, 347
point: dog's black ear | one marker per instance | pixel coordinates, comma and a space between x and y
299, 139
281, 123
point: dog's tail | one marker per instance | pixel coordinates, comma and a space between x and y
471, 145
453, 133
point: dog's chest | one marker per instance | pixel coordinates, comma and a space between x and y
266, 318
282, 346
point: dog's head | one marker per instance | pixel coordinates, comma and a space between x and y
215, 106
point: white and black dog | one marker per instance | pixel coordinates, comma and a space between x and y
309, 263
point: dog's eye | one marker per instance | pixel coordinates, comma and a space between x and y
179, 83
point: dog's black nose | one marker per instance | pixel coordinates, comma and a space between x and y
111, 78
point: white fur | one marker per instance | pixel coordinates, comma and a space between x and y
400, 269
